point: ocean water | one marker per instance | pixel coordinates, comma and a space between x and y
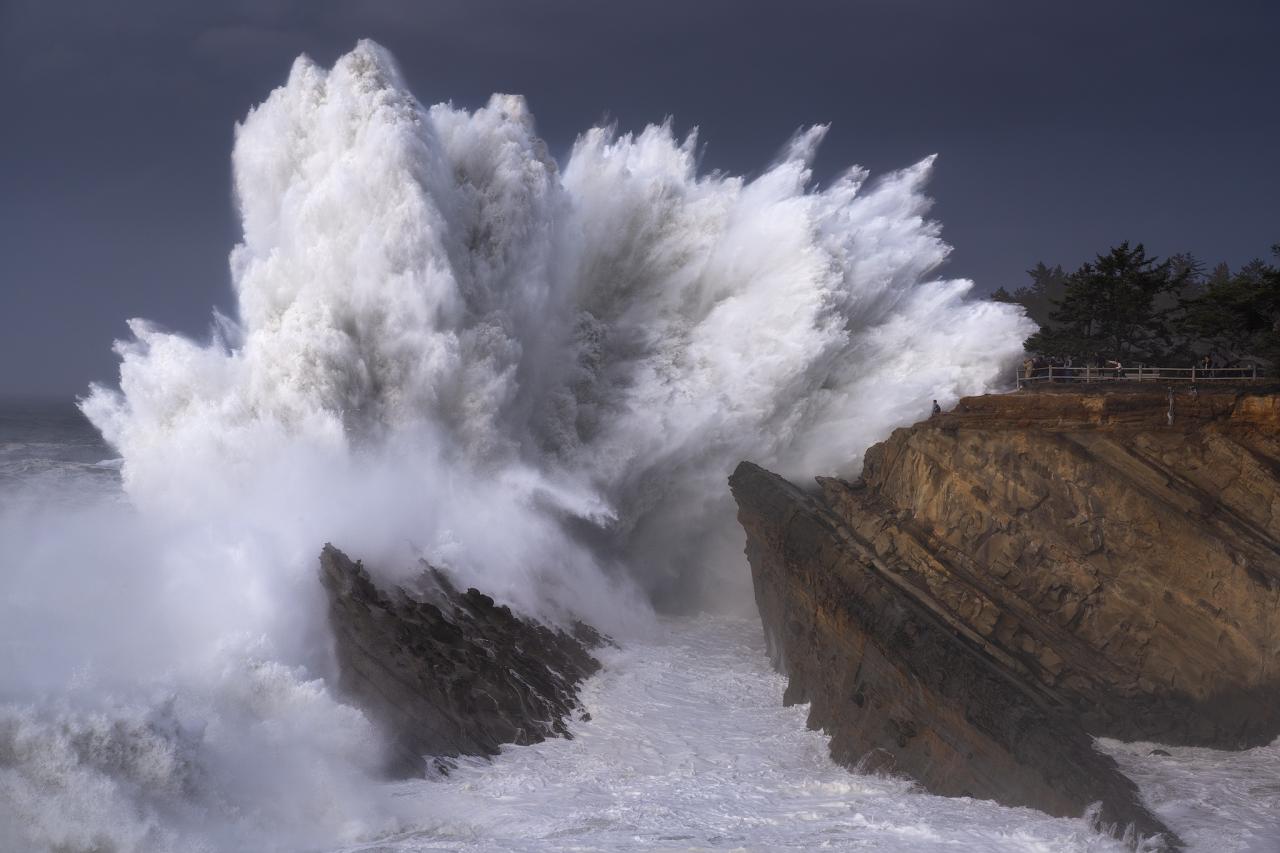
684, 745
536, 374
50, 451
690, 748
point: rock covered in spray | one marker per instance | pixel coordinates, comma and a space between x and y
447, 672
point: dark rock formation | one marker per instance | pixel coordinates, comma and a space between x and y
898, 685
1027, 569
449, 673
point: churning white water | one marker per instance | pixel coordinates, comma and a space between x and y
538, 375
482, 345
689, 748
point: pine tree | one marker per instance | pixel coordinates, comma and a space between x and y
1048, 285
1112, 308
1237, 316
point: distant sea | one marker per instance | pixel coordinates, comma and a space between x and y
50, 451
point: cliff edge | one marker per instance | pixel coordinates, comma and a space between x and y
1010, 578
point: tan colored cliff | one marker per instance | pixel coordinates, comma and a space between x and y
1007, 579
1130, 564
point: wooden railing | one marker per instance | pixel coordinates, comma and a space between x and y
1136, 374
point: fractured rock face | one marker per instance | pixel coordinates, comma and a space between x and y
900, 686
1130, 566
448, 673
1007, 579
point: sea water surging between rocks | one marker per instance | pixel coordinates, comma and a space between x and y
447, 345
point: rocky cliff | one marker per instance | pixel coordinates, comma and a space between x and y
448, 673
1007, 579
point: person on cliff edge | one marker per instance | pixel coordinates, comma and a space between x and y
937, 410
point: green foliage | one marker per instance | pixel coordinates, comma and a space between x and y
1048, 286
1111, 309
1131, 307
1237, 317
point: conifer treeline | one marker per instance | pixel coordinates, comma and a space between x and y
1134, 308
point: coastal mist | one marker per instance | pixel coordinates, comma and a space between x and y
537, 376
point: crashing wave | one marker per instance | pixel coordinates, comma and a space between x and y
445, 345
576, 357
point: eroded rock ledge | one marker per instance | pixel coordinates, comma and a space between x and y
448, 673
1009, 579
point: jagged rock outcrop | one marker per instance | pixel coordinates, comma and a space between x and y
448, 673
1007, 579
899, 686
1129, 564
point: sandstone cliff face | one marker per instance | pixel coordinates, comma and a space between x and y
898, 685
1130, 565
448, 673
1026, 569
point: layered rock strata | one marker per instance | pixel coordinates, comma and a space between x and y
899, 686
448, 673
1029, 568
1124, 549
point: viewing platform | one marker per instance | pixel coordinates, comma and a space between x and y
1041, 377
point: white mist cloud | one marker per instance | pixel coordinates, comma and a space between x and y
621, 332
445, 345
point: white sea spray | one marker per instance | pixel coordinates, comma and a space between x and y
529, 345
445, 345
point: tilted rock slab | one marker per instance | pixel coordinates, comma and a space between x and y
902, 687
448, 673
1123, 549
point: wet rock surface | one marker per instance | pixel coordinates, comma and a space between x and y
1008, 579
446, 672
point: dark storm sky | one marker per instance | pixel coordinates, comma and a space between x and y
1062, 127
